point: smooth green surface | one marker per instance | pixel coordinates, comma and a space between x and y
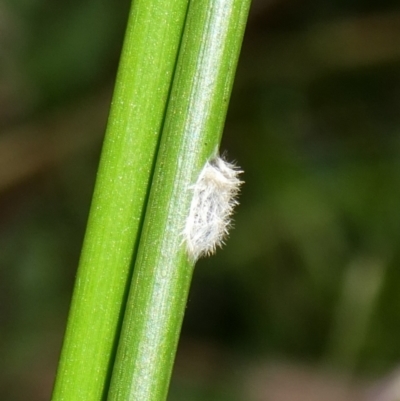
192, 132
143, 83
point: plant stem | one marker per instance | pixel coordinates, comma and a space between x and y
191, 136
147, 64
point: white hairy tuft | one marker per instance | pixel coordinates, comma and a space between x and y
214, 198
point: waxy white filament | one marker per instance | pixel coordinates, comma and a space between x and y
214, 198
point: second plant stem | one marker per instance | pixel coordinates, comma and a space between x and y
191, 136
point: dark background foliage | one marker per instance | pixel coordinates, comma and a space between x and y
304, 300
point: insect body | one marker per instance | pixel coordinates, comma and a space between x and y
214, 198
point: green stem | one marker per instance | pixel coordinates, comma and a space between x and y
191, 136
147, 63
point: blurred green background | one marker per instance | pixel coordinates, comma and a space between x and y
303, 303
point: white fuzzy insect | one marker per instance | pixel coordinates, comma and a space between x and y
214, 198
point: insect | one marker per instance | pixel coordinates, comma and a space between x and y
214, 199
